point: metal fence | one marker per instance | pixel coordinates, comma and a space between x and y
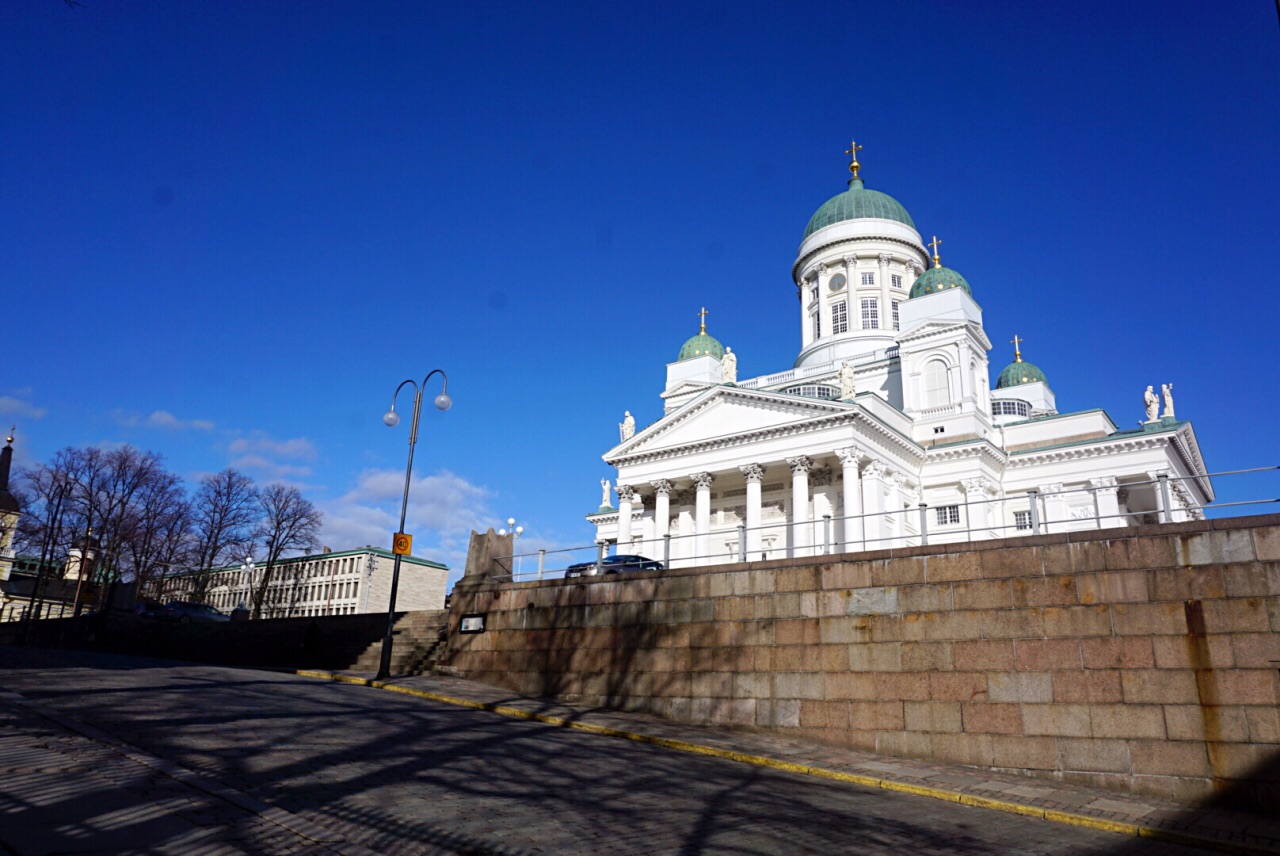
901, 527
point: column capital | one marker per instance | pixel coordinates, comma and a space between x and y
849, 261
1052, 487
1103, 483
876, 470
662, 487
820, 476
799, 464
884, 259
821, 268
753, 473
916, 267
979, 485
702, 481
851, 456
625, 492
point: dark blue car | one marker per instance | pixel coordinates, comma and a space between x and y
613, 565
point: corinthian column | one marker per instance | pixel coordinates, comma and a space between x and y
661, 512
886, 298
799, 504
851, 526
702, 518
754, 474
626, 494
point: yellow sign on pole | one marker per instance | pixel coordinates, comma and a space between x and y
402, 543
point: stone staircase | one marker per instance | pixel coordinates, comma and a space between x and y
416, 644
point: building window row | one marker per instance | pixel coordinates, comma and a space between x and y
947, 515
1010, 407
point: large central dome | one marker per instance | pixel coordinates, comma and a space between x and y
857, 203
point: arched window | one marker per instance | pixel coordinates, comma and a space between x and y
937, 391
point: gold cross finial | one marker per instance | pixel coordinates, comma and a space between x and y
852, 152
1017, 352
703, 316
934, 243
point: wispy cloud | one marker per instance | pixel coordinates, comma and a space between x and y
162, 420
272, 459
19, 408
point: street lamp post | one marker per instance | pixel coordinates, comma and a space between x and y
516, 532
392, 419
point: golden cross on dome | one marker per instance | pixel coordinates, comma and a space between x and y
852, 152
703, 316
934, 243
1017, 352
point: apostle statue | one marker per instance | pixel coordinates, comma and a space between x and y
845, 376
604, 496
1166, 390
1152, 402
729, 366
627, 427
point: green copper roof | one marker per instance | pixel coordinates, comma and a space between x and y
1018, 372
938, 278
856, 203
700, 345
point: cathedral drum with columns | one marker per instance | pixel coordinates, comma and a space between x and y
886, 432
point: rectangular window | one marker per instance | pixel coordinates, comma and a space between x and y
840, 317
870, 314
868, 278
817, 326
1022, 520
896, 280
813, 293
947, 514
896, 323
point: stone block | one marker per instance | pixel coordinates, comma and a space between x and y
899, 572
1169, 758
1264, 724
876, 715
1012, 562
824, 714
887, 628
1056, 720
1026, 753
1193, 652
1127, 720
798, 685
946, 567
1256, 650
1256, 762
928, 656
976, 750
1112, 587
843, 630
1239, 686
1215, 548
877, 600
1266, 544
876, 657
803, 579
1253, 579
734, 608
833, 658
794, 658
1236, 615
797, 631
1152, 551
752, 685
719, 585
1013, 623
1077, 621
944, 626
901, 686
958, 686
1148, 619
1159, 686
983, 655
983, 594
985, 718
1025, 687
850, 686
846, 575
925, 598
755, 582
1206, 722
1042, 654
1117, 652
1101, 686
1273, 610
1076, 557
809, 604
1044, 591
903, 744
1093, 755
932, 716
1192, 583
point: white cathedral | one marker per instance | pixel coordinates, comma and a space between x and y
886, 432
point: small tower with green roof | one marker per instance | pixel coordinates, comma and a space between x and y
697, 366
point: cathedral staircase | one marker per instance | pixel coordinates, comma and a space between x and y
417, 644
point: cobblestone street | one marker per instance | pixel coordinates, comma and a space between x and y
287, 764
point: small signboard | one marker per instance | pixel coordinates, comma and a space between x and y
472, 624
402, 543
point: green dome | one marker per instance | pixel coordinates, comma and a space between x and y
1018, 372
939, 278
856, 203
701, 345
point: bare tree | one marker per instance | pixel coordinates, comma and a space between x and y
224, 511
156, 533
289, 522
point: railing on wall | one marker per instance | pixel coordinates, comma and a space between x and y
901, 527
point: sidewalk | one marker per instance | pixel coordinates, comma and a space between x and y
1218, 829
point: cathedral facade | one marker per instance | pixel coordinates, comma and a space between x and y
887, 430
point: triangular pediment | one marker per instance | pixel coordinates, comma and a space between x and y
726, 412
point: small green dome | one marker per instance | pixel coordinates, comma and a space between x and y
939, 278
856, 203
701, 345
1019, 372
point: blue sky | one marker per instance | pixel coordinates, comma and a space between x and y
229, 230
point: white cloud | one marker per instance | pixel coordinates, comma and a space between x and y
272, 459
11, 406
165, 419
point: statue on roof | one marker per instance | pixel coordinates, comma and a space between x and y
1166, 390
1152, 403
729, 366
604, 497
627, 427
845, 375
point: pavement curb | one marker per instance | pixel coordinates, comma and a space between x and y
1135, 830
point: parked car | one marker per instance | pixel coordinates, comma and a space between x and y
185, 612
613, 565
